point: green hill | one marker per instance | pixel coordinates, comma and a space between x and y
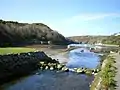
14, 33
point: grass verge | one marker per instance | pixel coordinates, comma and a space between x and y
15, 50
108, 73
105, 78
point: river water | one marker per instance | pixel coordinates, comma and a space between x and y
83, 58
52, 80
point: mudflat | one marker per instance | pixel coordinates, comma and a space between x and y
58, 52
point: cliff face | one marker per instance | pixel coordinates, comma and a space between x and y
22, 33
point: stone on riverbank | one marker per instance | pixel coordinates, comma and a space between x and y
23, 63
88, 72
79, 70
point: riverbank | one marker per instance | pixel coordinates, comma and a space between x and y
58, 52
117, 77
17, 62
104, 80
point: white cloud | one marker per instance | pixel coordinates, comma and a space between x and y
90, 17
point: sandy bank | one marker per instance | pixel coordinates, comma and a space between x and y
58, 52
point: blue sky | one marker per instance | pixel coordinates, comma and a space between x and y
69, 17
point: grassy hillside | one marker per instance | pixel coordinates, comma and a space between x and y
113, 39
88, 39
14, 33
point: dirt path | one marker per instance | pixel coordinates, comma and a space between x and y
117, 78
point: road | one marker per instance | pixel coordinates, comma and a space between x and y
117, 78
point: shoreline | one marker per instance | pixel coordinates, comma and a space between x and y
57, 52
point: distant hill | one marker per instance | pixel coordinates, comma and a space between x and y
88, 39
14, 33
113, 39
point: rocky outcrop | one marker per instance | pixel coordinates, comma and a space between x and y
19, 64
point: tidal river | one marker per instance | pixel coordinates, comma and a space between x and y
51, 80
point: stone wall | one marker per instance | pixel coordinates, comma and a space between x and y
19, 64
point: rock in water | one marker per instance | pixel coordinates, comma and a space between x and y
51, 68
46, 67
65, 69
79, 70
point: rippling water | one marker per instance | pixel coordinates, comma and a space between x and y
82, 58
51, 80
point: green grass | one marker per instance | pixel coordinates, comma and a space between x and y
107, 75
14, 50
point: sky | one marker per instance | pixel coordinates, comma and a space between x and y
68, 17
